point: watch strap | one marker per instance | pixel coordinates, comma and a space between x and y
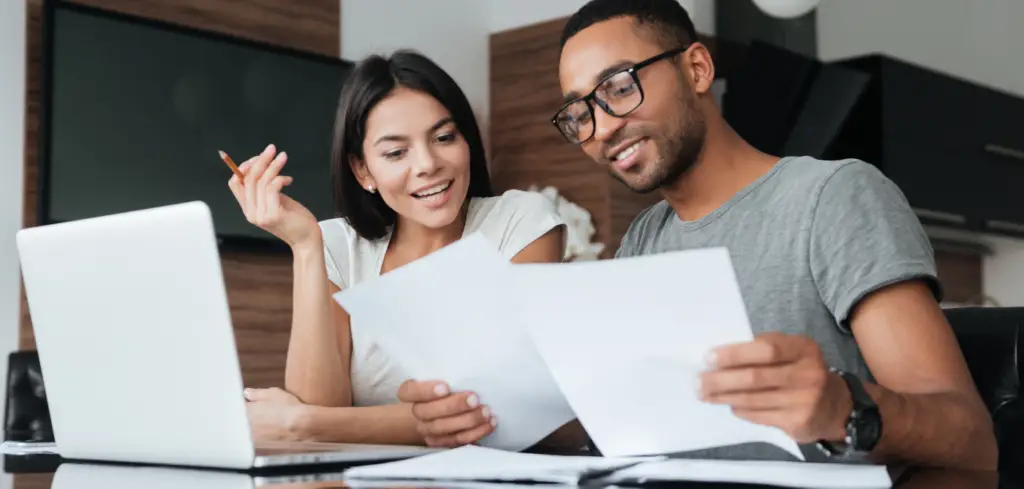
862, 402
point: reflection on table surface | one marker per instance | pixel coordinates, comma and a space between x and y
103, 476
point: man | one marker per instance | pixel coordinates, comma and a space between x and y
835, 269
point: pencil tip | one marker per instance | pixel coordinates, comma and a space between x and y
221, 153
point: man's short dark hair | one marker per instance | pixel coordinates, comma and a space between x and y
666, 20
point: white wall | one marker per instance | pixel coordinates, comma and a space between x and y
12, 140
510, 14
453, 33
1003, 272
980, 41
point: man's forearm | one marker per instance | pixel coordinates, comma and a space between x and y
392, 424
939, 430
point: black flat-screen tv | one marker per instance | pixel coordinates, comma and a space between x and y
133, 112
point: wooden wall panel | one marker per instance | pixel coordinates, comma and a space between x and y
41, 480
309, 25
961, 276
526, 149
259, 286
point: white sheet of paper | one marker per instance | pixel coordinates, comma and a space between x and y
781, 474
474, 463
448, 317
626, 340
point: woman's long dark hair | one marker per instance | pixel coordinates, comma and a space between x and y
373, 79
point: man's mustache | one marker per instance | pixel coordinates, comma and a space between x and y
618, 138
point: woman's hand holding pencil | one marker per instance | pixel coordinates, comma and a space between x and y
257, 185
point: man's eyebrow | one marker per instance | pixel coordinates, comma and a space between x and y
613, 69
601, 75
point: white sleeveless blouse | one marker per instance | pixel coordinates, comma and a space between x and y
511, 221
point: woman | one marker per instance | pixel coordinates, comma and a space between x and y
409, 176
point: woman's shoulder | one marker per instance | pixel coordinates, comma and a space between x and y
511, 203
338, 230
513, 219
347, 254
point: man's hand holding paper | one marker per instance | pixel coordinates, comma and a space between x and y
779, 380
627, 339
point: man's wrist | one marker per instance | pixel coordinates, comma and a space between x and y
842, 402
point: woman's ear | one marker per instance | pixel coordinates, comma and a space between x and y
362, 174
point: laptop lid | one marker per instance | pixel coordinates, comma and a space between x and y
135, 342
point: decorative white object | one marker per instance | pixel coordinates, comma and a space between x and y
580, 228
786, 9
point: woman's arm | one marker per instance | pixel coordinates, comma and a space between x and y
277, 415
392, 424
319, 350
319, 367
549, 248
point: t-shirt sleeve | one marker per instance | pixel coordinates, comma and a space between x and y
527, 217
864, 236
336, 236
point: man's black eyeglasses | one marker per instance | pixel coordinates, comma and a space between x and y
617, 94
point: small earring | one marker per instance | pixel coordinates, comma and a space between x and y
369, 188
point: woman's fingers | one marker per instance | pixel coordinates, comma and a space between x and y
267, 204
463, 437
273, 196
237, 187
259, 191
450, 405
455, 424
252, 177
259, 171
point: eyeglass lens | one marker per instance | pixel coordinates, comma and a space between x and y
617, 95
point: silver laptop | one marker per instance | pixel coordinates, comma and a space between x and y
138, 354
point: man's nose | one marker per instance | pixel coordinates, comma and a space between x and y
605, 125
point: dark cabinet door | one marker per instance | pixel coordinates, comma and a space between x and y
954, 147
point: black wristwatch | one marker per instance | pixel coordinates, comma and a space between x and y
863, 426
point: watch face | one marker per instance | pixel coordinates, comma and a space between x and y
868, 429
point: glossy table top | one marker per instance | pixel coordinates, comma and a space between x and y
45, 472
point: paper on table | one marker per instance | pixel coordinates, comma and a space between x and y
448, 317
473, 463
782, 474
626, 340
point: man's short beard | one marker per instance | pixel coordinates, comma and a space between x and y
681, 153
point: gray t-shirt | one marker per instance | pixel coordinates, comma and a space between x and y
808, 240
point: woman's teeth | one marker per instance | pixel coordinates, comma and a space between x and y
628, 151
435, 190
